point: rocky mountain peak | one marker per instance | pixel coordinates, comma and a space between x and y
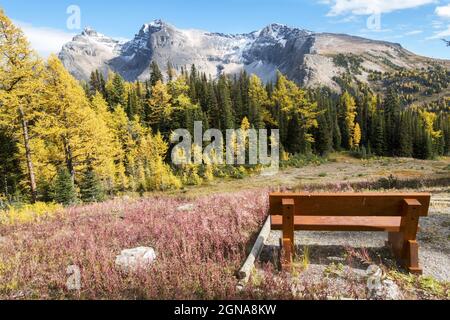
305, 57
89, 32
154, 26
281, 31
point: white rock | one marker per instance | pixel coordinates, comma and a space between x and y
380, 288
187, 207
391, 290
131, 260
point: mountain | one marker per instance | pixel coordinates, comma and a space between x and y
309, 58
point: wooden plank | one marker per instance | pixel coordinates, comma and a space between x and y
249, 264
412, 263
288, 253
312, 223
410, 219
349, 204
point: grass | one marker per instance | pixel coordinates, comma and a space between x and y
333, 270
301, 160
305, 258
389, 183
423, 286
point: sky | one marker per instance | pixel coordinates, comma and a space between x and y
418, 25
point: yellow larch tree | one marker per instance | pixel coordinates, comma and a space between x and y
72, 125
159, 104
20, 84
357, 136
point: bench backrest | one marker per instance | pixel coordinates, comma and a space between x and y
349, 204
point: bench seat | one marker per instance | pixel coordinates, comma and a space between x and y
324, 223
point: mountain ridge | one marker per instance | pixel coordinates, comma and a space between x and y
306, 57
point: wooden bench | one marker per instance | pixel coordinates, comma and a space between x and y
395, 213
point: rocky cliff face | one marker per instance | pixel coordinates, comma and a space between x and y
306, 57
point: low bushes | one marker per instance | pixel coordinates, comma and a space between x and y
198, 251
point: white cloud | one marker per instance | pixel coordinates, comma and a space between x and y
436, 24
369, 7
44, 40
441, 34
443, 12
414, 32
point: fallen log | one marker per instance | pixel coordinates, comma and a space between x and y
248, 266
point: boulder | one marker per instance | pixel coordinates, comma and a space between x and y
380, 288
132, 260
187, 208
3, 240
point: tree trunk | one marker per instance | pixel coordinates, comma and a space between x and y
69, 159
26, 140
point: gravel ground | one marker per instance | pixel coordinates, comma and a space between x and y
328, 247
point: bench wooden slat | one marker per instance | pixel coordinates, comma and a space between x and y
313, 223
335, 204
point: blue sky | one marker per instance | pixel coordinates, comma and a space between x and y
416, 24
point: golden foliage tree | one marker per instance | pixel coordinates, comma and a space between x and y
77, 131
20, 84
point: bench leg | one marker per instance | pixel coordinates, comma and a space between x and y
412, 257
397, 243
404, 244
288, 234
286, 260
406, 252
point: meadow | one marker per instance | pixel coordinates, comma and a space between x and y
201, 240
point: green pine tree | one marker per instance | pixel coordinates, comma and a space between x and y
405, 148
116, 92
64, 188
323, 140
155, 74
90, 188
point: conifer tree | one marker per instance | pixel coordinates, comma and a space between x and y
225, 105
64, 188
159, 105
347, 116
392, 121
405, 136
97, 83
324, 139
357, 136
337, 137
378, 137
300, 114
9, 164
258, 100
71, 126
116, 91
90, 188
155, 74
171, 73
20, 84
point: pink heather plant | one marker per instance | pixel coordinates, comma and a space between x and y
198, 252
